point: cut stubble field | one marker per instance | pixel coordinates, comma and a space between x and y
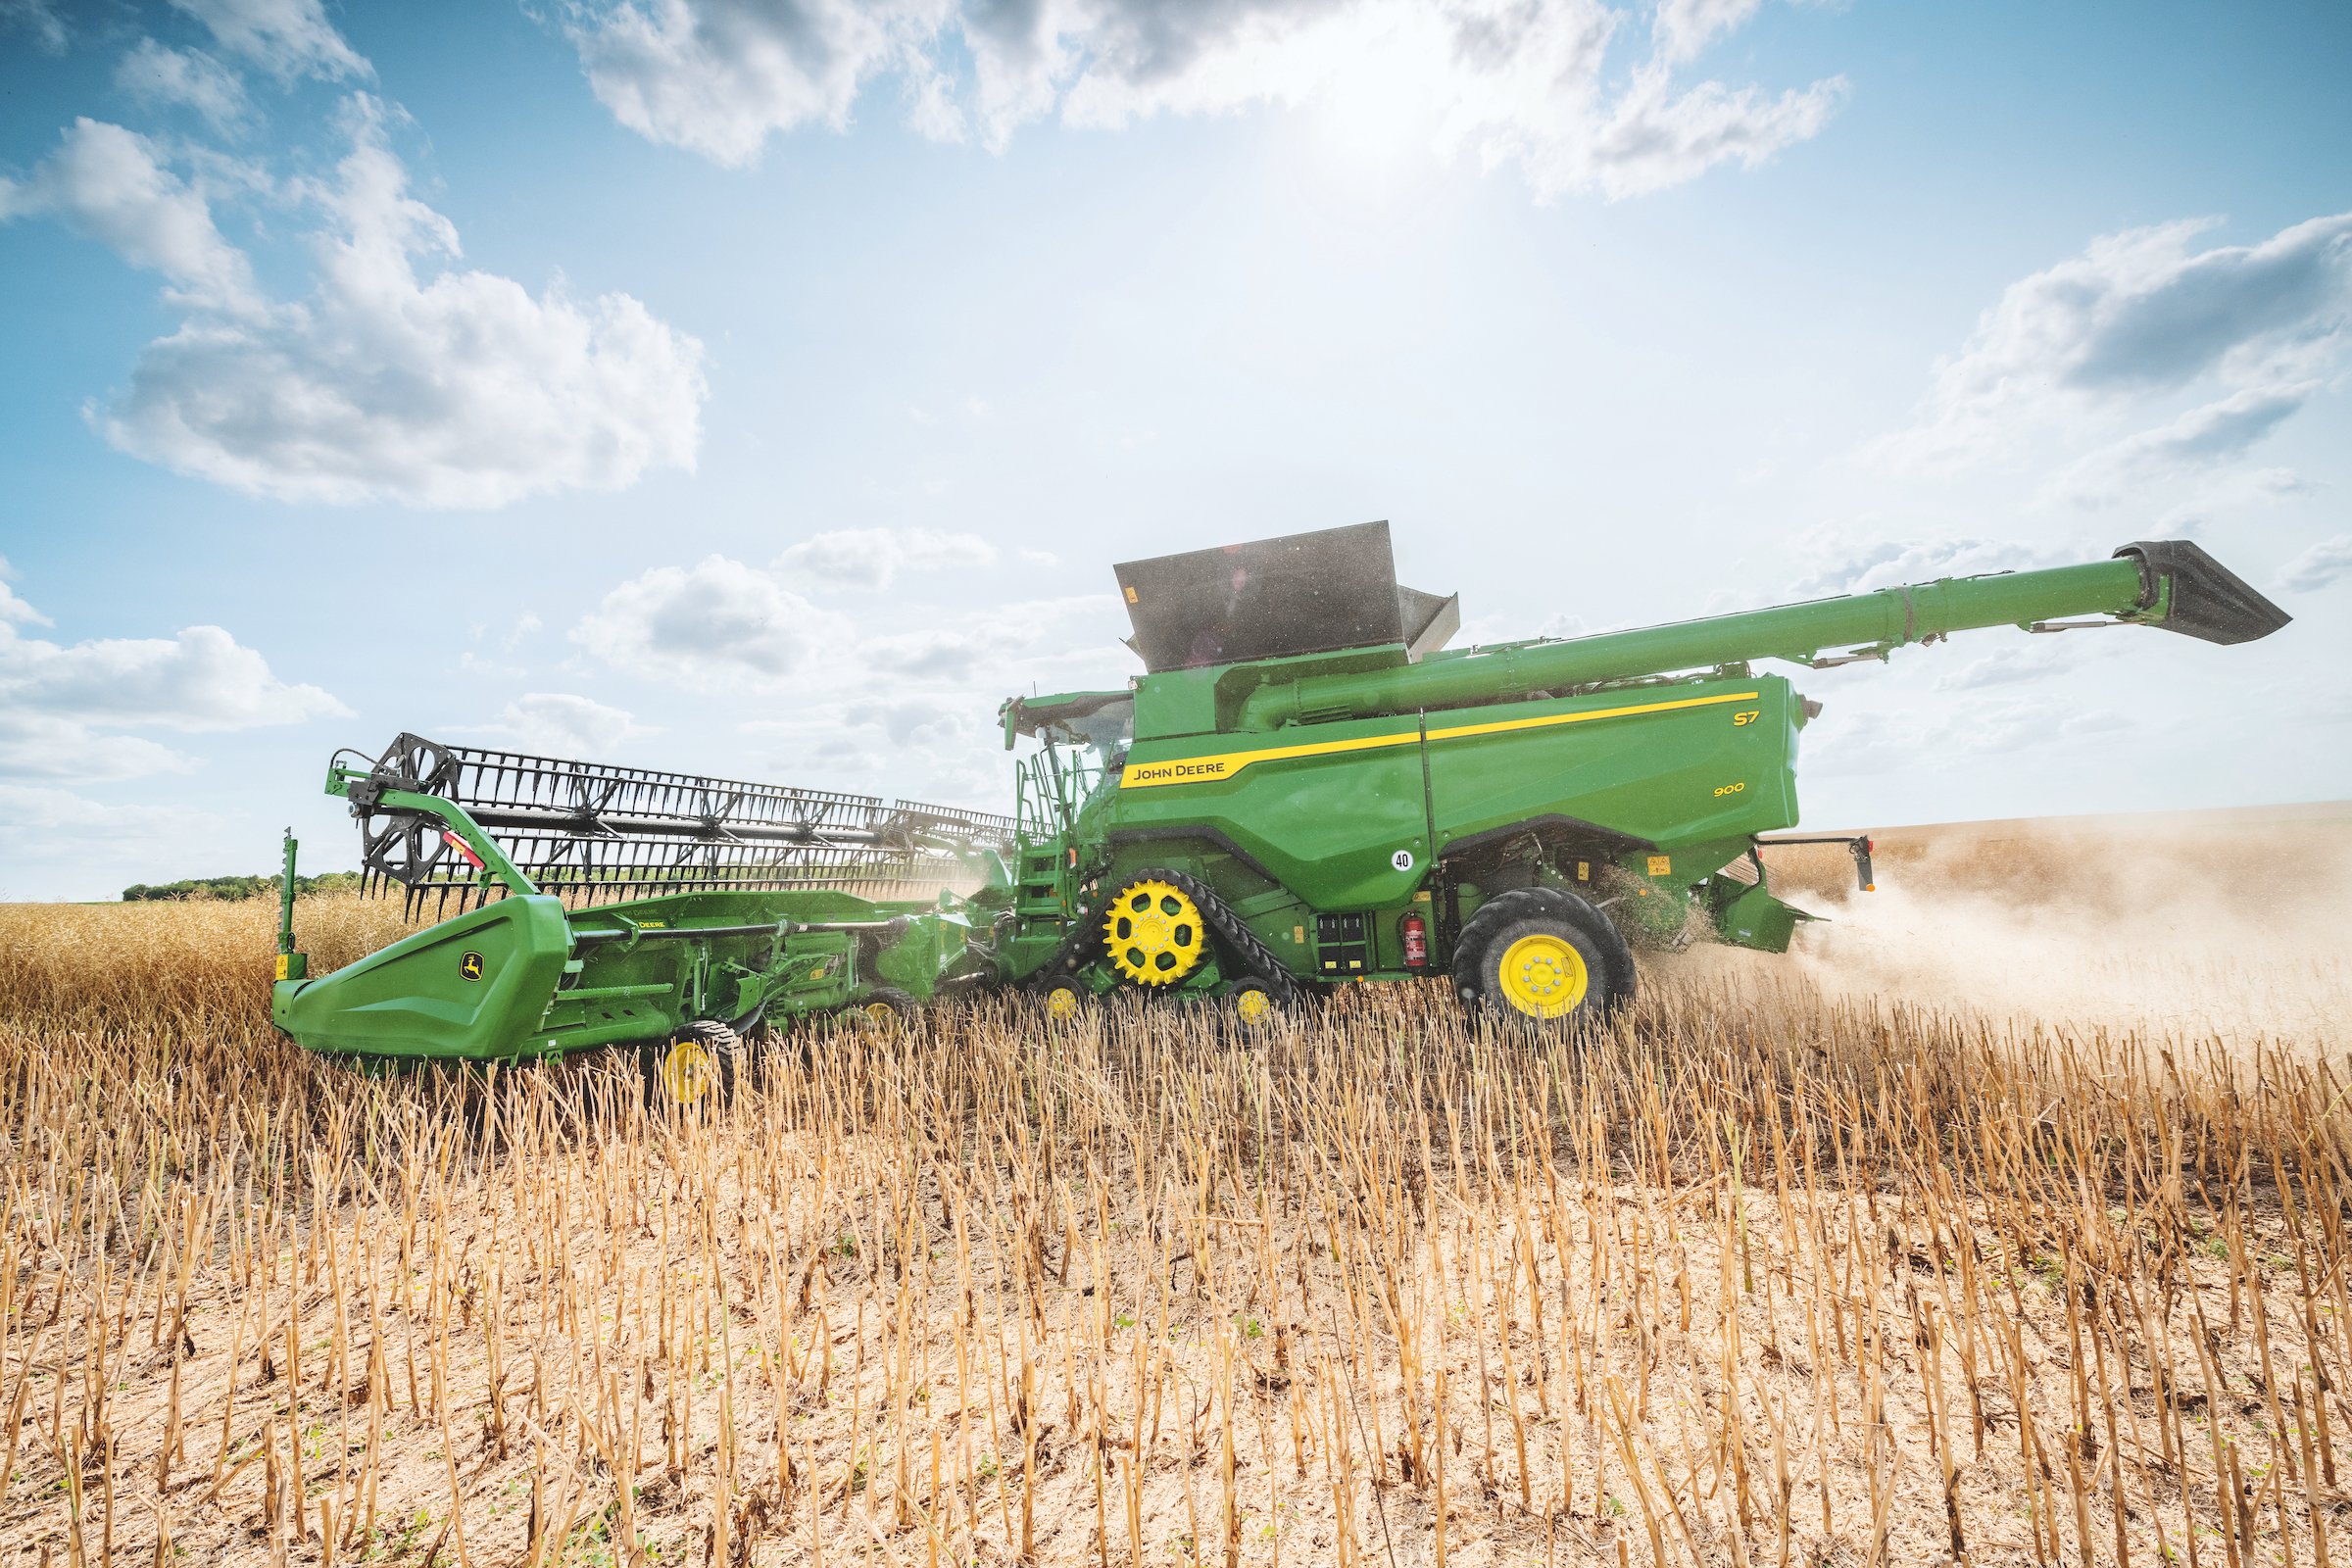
2005, 1220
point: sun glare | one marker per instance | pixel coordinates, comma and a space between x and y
1373, 127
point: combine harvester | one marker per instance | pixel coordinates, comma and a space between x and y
1306, 788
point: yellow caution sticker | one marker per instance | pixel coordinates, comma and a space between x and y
1661, 865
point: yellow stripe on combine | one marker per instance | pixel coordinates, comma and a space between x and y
1225, 764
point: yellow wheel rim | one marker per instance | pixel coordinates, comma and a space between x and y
687, 1071
1543, 976
1253, 1007
1062, 1003
1153, 934
880, 1013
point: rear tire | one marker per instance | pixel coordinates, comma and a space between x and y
1539, 957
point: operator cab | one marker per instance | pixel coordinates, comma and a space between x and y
1099, 723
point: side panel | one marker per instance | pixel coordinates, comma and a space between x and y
1338, 813
427, 995
1722, 767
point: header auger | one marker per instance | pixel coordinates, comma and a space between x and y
1306, 788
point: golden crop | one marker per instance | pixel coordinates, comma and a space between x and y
1771, 1272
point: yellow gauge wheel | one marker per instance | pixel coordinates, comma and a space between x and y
1154, 933
881, 1014
1543, 976
1254, 1009
688, 1072
1064, 1001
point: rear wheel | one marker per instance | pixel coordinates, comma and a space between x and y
1542, 956
699, 1060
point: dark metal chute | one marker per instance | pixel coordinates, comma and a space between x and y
1305, 593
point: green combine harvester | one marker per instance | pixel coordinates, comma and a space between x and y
1306, 788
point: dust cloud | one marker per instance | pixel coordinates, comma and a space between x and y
2233, 926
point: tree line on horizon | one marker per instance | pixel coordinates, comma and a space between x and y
240, 887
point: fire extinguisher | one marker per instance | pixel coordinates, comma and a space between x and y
1415, 932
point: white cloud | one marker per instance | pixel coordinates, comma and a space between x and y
2322, 564
871, 558
919, 720
472, 663
840, 756
108, 184
563, 724
2199, 439
57, 829
1835, 561
38, 18
913, 714
2003, 667
1683, 27
13, 609
2137, 314
1847, 742
288, 38
203, 679
56, 703
716, 75
942, 654
45, 745
461, 391
711, 628
1520, 81
154, 74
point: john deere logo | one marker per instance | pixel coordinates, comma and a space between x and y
470, 966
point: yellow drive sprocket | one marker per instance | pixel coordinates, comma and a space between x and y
1154, 932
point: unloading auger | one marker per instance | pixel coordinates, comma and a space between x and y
598, 906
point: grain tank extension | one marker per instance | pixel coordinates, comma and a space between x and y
1308, 787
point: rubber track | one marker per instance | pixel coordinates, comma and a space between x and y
1262, 965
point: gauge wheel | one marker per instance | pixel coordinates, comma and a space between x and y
696, 1063
1064, 1000
1252, 1005
1540, 957
885, 1008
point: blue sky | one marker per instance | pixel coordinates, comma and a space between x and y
765, 390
